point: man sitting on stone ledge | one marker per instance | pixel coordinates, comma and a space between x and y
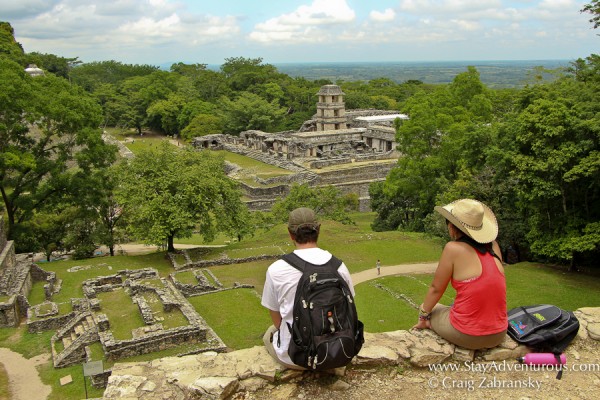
282, 281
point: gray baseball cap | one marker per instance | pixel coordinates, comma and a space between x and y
302, 217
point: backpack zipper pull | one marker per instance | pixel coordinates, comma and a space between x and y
304, 304
349, 299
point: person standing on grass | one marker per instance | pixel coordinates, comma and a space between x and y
471, 262
378, 266
282, 281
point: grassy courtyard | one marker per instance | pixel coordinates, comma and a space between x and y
384, 304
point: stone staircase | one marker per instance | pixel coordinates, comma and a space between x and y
263, 157
79, 332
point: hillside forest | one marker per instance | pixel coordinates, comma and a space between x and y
531, 153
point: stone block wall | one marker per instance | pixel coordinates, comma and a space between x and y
48, 324
8, 313
371, 172
155, 341
208, 263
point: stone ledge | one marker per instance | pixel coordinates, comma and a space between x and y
214, 375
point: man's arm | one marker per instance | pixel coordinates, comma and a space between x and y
276, 318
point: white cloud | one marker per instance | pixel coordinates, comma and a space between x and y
120, 28
386, 16
312, 23
447, 6
153, 31
13, 9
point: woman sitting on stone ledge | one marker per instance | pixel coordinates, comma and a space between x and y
471, 262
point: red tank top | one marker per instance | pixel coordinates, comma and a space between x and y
480, 305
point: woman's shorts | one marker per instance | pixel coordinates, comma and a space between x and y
440, 323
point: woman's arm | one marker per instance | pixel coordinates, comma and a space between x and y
442, 276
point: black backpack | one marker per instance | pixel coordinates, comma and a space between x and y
325, 331
543, 328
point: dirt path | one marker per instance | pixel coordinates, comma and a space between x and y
23, 378
425, 268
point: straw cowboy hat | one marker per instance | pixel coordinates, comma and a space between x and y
473, 218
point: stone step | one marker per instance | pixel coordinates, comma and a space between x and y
90, 320
79, 330
73, 336
66, 342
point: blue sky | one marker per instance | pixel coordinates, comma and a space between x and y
159, 32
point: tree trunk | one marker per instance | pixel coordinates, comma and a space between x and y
170, 247
573, 265
111, 250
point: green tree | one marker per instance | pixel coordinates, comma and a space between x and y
91, 75
170, 192
326, 201
59, 66
49, 142
165, 113
242, 74
556, 165
202, 124
593, 8
441, 142
9, 47
45, 231
250, 111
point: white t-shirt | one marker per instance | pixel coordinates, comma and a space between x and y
280, 290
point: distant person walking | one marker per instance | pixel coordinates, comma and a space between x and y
378, 266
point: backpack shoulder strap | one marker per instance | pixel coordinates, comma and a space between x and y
294, 260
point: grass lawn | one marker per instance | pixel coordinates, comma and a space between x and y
252, 166
186, 277
171, 319
123, 314
92, 268
356, 245
252, 273
235, 315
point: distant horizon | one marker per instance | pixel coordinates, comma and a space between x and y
462, 62
299, 31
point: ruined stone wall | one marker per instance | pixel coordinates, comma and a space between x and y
50, 323
268, 192
260, 205
155, 341
329, 162
208, 263
7, 258
370, 172
8, 313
